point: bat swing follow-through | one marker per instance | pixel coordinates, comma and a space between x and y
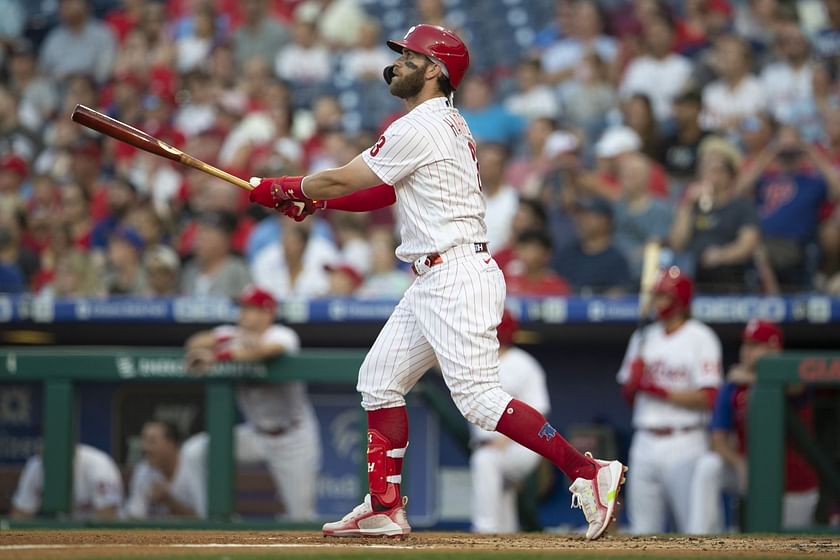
113, 128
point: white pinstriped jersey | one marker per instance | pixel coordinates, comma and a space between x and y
429, 157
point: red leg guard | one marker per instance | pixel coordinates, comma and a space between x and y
384, 464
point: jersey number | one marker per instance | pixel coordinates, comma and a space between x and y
378, 146
477, 166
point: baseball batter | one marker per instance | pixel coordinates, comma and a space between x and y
280, 427
724, 468
97, 486
497, 465
449, 314
671, 373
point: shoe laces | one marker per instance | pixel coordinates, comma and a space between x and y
357, 511
585, 499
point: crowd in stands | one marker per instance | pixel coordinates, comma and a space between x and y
712, 126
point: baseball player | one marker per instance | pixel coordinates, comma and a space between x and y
449, 314
161, 484
724, 468
671, 373
280, 427
97, 486
497, 464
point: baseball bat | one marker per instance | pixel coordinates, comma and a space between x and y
104, 124
650, 268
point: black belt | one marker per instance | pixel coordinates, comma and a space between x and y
435, 258
671, 431
274, 432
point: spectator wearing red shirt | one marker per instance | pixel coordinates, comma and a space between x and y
529, 274
724, 468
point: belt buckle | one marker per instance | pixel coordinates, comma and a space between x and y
422, 265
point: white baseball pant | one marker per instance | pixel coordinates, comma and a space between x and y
293, 459
713, 476
449, 316
662, 469
495, 473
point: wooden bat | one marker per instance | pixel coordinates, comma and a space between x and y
650, 268
95, 120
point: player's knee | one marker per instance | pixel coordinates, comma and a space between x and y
483, 405
709, 465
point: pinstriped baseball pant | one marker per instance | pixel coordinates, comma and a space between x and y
447, 316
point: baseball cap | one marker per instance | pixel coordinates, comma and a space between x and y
560, 142
616, 141
130, 236
347, 269
763, 332
163, 257
595, 204
14, 163
716, 144
253, 296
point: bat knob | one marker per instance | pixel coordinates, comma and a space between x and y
255, 181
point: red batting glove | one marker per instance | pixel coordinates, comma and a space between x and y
271, 192
651, 388
299, 211
631, 386
223, 355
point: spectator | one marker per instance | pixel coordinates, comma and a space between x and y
638, 115
533, 98
787, 83
214, 269
737, 93
589, 97
561, 60
260, 34
12, 22
499, 197
14, 137
77, 275
755, 134
526, 172
328, 118
615, 144
386, 280
827, 40
145, 221
13, 173
339, 22
556, 30
497, 464
678, 150
192, 50
162, 484
199, 113
121, 199
368, 57
17, 264
757, 22
724, 467
80, 44
639, 217
86, 171
351, 236
280, 427
488, 121
124, 275
162, 269
716, 228
530, 215
432, 12
97, 486
75, 215
790, 181
38, 97
306, 60
344, 279
294, 265
593, 264
660, 74
528, 273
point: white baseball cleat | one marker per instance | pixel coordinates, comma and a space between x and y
598, 497
363, 521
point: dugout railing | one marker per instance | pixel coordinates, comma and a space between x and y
60, 370
771, 424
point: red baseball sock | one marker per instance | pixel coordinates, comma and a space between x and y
387, 430
528, 427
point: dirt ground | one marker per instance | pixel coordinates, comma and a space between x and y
69, 544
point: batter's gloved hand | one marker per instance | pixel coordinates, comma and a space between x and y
634, 381
299, 211
285, 195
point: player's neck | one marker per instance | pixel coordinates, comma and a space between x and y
421, 98
673, 324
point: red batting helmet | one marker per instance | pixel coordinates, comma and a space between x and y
674, 283
763, 332
507, 329
252, 296
439, 44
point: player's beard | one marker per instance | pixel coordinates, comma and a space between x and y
408, 85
